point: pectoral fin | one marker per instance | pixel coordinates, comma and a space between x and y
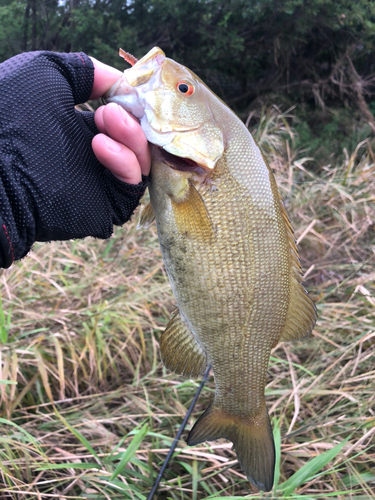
147, 217
180, 351
192, 217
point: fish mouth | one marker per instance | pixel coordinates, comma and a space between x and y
180, 163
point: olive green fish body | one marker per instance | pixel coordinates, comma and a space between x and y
232, 291
229, 252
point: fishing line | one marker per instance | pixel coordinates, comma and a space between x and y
178, 435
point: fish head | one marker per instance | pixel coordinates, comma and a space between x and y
174, 108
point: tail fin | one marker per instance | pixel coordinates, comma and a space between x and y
252, 440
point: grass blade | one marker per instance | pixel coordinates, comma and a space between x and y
308, 471
78, 435
30, 438
277, 440
82, 466
3, 325
132, 448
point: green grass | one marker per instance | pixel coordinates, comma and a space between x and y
87, 409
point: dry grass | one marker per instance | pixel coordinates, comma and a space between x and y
87, 410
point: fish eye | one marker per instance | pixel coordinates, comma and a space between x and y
185, 88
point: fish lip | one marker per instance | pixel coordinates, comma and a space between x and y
137, 109
179, 163
125, 96
111, 92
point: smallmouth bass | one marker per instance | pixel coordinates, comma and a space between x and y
228, 249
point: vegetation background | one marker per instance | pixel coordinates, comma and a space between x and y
86, 408
317, 53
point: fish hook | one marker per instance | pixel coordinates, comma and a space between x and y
128, 57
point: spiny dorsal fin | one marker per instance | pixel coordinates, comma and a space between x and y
301, 315
147, 217
180, 351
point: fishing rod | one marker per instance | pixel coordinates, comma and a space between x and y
178, 435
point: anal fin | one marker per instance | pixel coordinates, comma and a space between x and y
180, 351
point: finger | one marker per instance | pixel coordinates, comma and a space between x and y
104, 77
119, 159
99, 122
122, 127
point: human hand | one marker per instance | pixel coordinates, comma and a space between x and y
122, 145
52, 186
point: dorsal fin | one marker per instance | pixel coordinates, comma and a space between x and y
301, 315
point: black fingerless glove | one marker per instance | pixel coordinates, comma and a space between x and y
52, 187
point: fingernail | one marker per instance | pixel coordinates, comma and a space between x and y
127, 118
112, 145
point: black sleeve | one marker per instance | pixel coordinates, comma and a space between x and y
51, 184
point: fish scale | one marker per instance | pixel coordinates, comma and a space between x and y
228, 249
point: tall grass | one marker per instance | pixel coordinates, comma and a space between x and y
88, 411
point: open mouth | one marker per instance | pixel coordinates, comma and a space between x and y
181, 164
